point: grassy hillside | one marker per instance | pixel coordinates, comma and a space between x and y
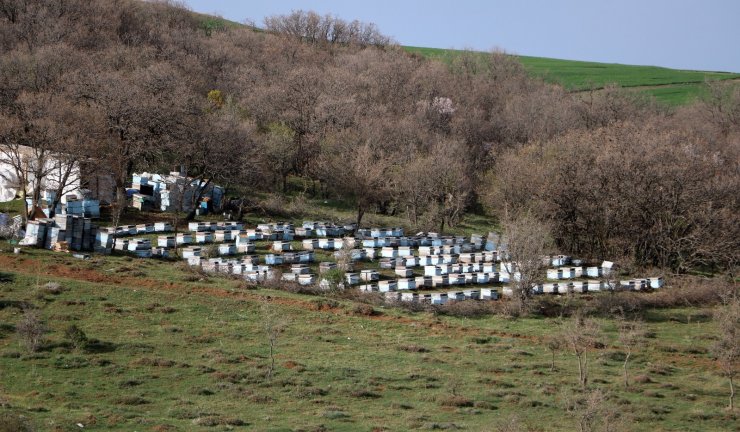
174, 350
671, 86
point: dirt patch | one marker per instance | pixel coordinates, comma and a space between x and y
290, 364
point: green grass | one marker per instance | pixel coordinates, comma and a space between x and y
179, 354
12, 208
210, 23
675, 86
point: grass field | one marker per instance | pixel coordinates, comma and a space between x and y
671, 86
173, 354
174, 349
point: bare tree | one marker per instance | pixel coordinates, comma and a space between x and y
357, 168
727, 347
593, 412
313, 28
273, 325
631, 336
580, 335
526, 239
511, 424
554, 344
281, 151
31, 330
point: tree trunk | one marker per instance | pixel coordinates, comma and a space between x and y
197, 195
580, 369
360, 213
272, 359
64, 178
552, 361
25, 212
732, 395
240, 211
626, 359
36, 196
175, 222
585, 369
119, 205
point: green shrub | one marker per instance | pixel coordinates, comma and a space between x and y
76, 337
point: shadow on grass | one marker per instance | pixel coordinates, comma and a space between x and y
95, 346
6, 277
688, 317
20, 304
6, 330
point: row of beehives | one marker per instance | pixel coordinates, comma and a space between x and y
403, 246
108, 239
461, 244
492, 293
428, 245
195, 256
422, 282
439, 298
280, 230
245, 237
249, 268
370, 237
509, 267
408, 282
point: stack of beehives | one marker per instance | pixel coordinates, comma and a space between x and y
36, 232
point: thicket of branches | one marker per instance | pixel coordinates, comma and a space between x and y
123, 85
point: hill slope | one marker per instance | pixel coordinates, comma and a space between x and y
671, 86
174, 350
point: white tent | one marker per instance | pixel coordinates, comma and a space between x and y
8, 183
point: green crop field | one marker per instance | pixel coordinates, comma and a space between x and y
671, 86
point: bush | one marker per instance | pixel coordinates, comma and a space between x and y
466, 309
335, 279
325, 304
278, 284
334, 415
31, 330
76, 337
218, 421
10, 422
364, 310
686, 291
53, 288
